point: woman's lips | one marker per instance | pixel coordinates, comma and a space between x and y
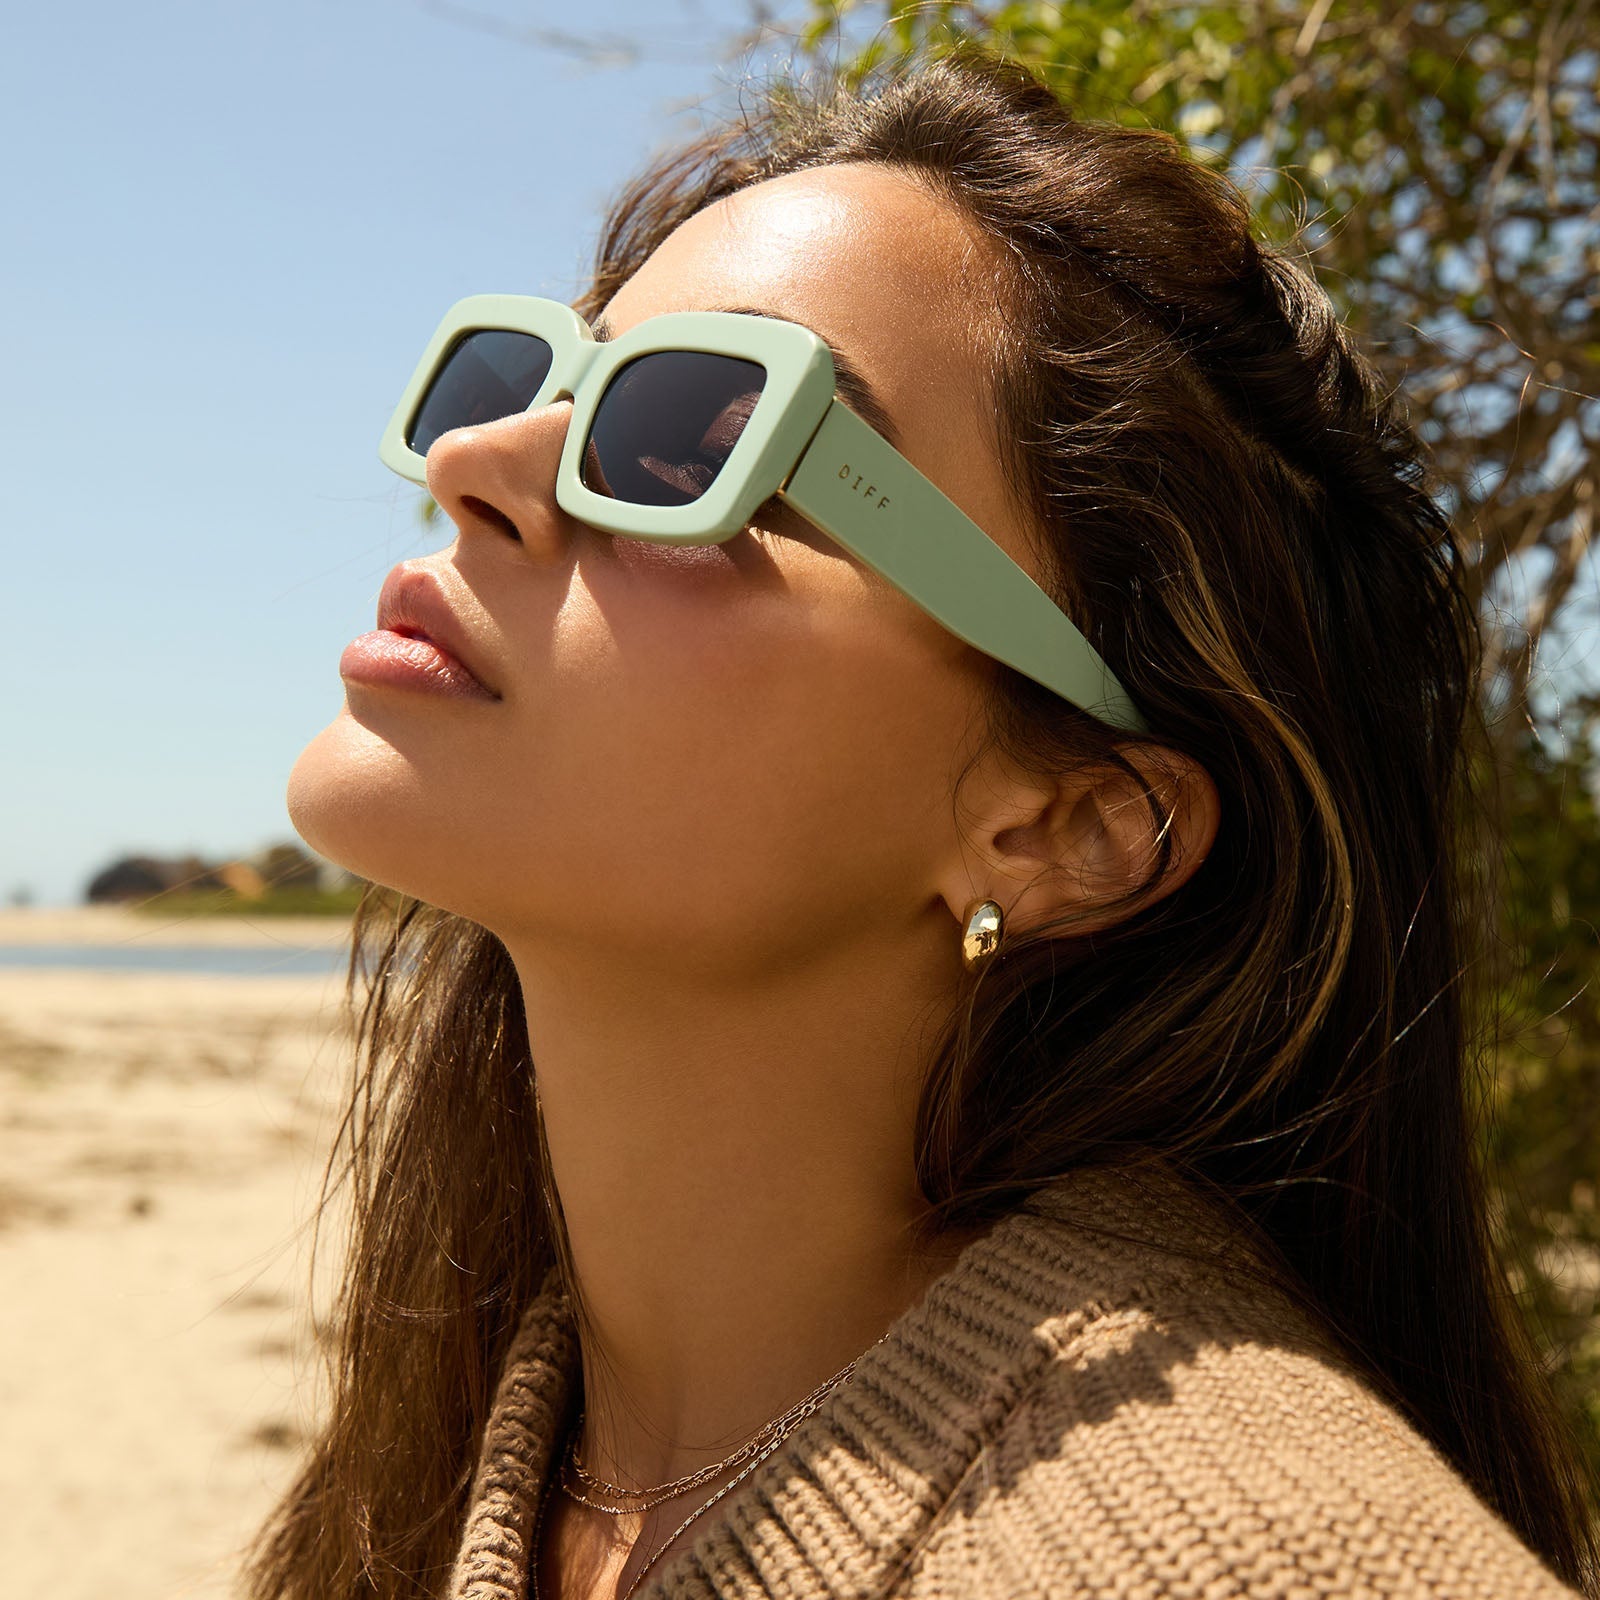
416, 641
388, 658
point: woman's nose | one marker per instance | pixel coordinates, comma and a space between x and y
500, 477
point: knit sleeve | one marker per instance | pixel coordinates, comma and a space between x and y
1153, 1460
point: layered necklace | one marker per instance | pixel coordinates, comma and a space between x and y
578, 1483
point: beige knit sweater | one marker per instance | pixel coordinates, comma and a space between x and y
1070, 1410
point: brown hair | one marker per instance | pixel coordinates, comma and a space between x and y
1238, 518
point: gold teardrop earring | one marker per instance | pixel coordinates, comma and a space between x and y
981, 936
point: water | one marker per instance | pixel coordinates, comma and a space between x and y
221, 961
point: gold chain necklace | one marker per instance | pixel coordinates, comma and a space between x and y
790, 1419
575, 1477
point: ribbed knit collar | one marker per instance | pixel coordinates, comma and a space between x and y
840, 1508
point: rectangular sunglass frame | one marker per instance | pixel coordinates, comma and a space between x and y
803, 444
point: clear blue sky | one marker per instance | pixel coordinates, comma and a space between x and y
228, 231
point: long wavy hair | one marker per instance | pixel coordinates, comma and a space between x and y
1240, 520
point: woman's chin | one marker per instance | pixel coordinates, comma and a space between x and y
348, 797
359, 802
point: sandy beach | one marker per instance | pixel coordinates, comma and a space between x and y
162, 1137
102, 925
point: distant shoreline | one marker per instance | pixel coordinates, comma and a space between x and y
115, 925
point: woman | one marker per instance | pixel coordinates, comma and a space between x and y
860, 1108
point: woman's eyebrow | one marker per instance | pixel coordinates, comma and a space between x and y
855, 389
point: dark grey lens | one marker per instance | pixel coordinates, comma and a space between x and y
489, 374
667, 424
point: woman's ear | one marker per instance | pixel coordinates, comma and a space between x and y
1072, 846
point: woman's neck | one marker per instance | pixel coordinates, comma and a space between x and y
736, 1180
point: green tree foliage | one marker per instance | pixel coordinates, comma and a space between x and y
1542, 1134
1436, 163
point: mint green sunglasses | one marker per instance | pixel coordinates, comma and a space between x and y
686, 424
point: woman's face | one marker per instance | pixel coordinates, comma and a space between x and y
715, 757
